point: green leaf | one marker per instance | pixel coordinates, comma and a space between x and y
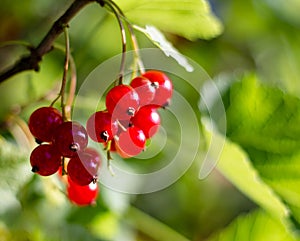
257, 226
288, 10
14, 171
28, 87
160, 41
191, 19
235, 165
264, 121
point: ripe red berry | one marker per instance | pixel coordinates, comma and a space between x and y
122, 101
69, 138
43, 122
82, 195
83, 168
145, 89
164, 88
148, 120
130, 142
95, 163
100, 127
45, 160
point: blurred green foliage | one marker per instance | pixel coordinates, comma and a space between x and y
259, 222
269, 135
259, 37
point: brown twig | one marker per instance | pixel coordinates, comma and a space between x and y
31, 61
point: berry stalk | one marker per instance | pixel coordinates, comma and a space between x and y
61, 94
111, 5
134, 42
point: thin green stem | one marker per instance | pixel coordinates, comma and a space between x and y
63, 169
72, 88
61, 94
16, 42
123, 34
109, 158
65, 73
152, 227
135, 46
73, 82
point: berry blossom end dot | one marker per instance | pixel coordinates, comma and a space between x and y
69, 138
78, 172
45, 160
100, 126
145, 89
164, 87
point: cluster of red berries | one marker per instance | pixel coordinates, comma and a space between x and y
130, 119
131, 115
60, 141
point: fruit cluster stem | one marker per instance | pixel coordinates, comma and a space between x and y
65, 73
115, 11
135, 46
65, 115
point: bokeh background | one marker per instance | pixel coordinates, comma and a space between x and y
259, 36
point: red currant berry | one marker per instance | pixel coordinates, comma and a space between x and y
164, 87
45, 160
69, 138
130, 142
43, 122
100, 127
82, 195
148, 120
122, 101
95, 163
82, 169
145, 89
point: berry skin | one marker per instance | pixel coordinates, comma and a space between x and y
164, 87
130, 142
145, 89
45, 160
122, 101
82, 195
82, 169
100, 127
69, 138
43, 122
148, 120
95, 163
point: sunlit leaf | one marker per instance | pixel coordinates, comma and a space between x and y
189, 18
235, 165
13, 173
264, 121
257, 226
160, 41
287, 10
